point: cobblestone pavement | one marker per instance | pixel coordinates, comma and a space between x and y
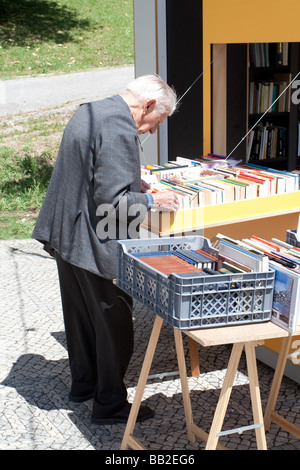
35, 413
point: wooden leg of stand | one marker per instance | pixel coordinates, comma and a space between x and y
224, 396
184, 384
285, 424
279, 371
194, 357
255, 396
128, 439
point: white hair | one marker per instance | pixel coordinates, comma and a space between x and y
153, 87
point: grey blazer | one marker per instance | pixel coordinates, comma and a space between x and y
98, 167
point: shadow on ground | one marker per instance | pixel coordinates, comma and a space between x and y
24, 22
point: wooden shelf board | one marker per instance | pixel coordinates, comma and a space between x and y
238, 333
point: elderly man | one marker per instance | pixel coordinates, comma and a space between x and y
96, 183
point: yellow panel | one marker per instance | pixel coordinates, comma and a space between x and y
252, 208
267, 227
237, 21
222, 214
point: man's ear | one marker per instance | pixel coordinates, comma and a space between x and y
149, 106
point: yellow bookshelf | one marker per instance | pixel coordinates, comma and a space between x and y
237, 22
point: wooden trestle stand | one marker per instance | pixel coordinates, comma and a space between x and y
244, 336
270, 414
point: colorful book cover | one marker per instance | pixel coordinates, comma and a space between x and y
283, 288
286, 299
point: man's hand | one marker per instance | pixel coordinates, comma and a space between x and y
145, 187
165, 201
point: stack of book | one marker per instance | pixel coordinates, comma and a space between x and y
233, 257
267, 141
280, 256
237, 256
170, 169
269, 54
180, 261
269, 94
196, 186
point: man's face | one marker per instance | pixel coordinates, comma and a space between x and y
150, 120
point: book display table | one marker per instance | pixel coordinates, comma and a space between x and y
241, 336
270, 413
237, 220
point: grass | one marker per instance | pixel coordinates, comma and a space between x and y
28, 150
23, 183
41, 37
62, 36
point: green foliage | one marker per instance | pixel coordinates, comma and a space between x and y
23, 184
42, 36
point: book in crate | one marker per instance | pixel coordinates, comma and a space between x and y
284, 259
194, 299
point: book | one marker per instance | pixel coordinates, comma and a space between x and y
167, 263
215, 194
235, 265
216, 240
281, 243
198, 187
270, 95
272, 255
284, 103
249, 257
197, 258
291, 178
286, 299
288, 257
274, 246
225, 271
227, 190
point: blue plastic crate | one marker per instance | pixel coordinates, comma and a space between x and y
193, 301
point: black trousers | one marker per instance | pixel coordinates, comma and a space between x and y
99, 331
